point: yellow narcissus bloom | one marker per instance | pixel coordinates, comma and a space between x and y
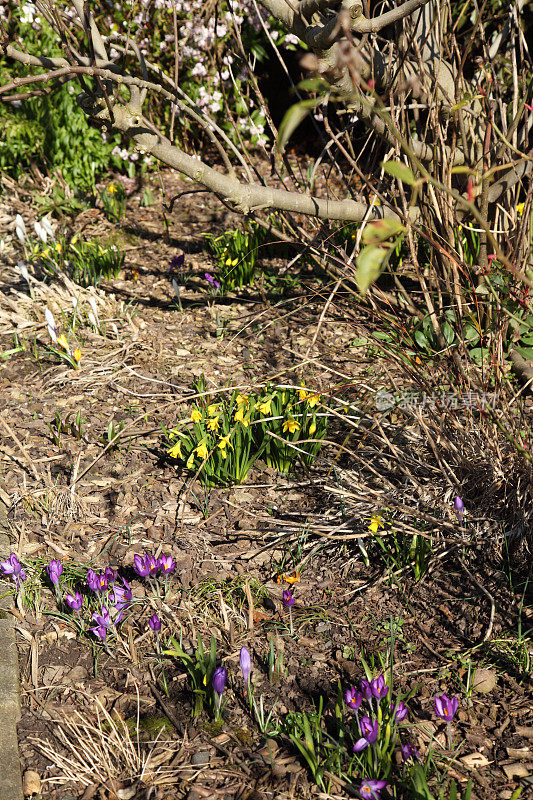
312, 427
375, 524
46, 252
202, 451
223, 442
57, 247
239, 417
264, 406
291, 425
111, 188
241, 398
313, 400
302, 394
212, 409
228, 262
175, 450
76, 355
195, 415
62, 340
234, 262
212, 424
520, 208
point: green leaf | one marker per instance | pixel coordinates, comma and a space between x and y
479, 355
421, 340
294, 116
448, 332
314, 85
370, 263
381, 229
400, 171
470, 334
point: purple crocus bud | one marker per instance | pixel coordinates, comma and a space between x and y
74, 601
459, 508
110, 574
246, 664
166, 564
369, 734
54, 570
366, 690
102, 582
400, 711
288, 599
93, 580
445, 707
155, 623
353, 698
219, 679
379, 688
141, 565
409, 751
371, 788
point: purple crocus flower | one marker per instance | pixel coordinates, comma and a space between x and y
445, 707
371, 788
155, 623
93, 580
366, 690
288, 599
213, 281
219, 680
99, 630
369, 734
166, 564
122, 595
246, 664
176, 262
141, 565
104, 618
399, 711
459, 508
54, 570
153, 565
11, 566
110, 574
409, 751
74, 601
353, 698
379, 688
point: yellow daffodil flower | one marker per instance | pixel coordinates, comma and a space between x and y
375, 524
62, 340
175, 450
46, 252
223, 442
264, 406
520, 208
76, 355
313, 400
312, 427
241, 398
74, 239
291, 425
302, 394
228, 262
212, 409
239, 417
234, 262
195, 415
202, 451
57, 247
111, 188
212, 424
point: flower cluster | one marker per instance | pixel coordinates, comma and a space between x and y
224, 436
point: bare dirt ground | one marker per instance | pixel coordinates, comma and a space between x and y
85, 503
